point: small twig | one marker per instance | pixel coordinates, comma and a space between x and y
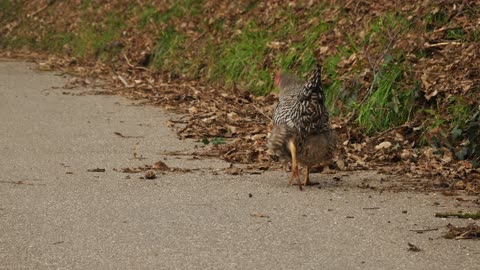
259, 215
179, 121
177, 153
51, 2
428, 45
371, 208
138, 158
20, 182
123, 136
66, 72
260, 111
131, 65
424, 230
392, 128
128, 61
195, 40
124, 82
446, 28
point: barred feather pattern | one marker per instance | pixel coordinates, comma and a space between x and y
303, 111
302, 116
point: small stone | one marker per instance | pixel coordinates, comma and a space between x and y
150, 175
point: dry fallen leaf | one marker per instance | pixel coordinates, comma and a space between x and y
160, 166
383, 145
259, 215
44, 66
413, 248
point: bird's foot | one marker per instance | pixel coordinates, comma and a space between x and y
306, 177
295, 176
306, 182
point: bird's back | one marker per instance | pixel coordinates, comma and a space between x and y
301, 105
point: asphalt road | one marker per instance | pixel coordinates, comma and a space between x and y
54, 214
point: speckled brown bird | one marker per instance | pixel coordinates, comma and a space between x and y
301, 130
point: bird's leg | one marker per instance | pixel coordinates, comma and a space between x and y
306, 182
295, 174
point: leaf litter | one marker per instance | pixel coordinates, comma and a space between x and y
471, 231
241, 121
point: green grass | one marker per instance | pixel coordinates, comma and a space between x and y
436, 19
464, 123
300, 55
433, 120
192, 7
85, 4
455, 34
389, 104
168, 51
100, 40
475, 35
177, 9
459, 131
54, 42
383, 29
460, 111
9, 9
471, 129
240, 58
147, 15
335, 91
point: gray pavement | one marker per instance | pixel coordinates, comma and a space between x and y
56, 215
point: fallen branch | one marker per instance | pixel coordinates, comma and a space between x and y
261, 112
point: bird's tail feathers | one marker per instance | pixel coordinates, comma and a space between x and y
315, 78
313, 84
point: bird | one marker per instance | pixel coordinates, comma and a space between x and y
301, 130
